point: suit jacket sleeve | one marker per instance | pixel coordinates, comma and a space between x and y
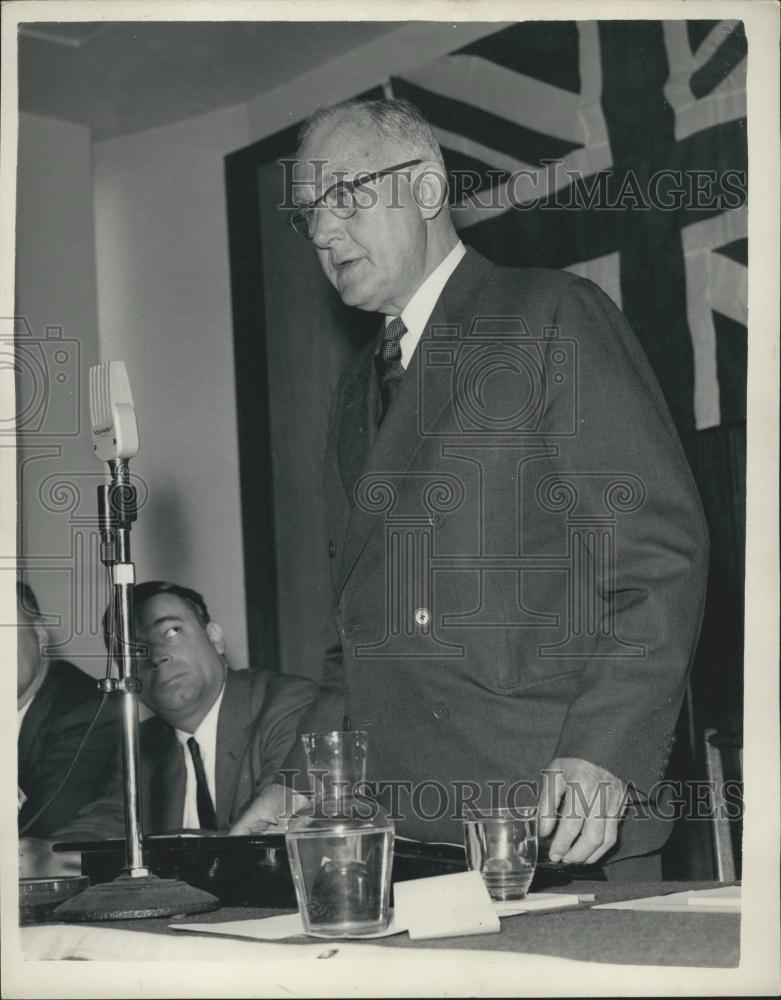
102, 819
324, 714
61, 735
625, 709
162, 790
287, 700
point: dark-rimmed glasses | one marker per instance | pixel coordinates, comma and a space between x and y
339, 199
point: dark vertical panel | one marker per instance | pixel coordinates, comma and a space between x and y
249, 339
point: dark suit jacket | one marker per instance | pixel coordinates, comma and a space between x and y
51, 732
255, 730
561, 539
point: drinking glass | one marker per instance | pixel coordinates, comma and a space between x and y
340, 847
501, 844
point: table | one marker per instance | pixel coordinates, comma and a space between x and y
621, 937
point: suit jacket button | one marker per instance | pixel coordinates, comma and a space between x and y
331, 550
441, 711
422, 616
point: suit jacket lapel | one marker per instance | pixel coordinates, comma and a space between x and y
400, 436
358, 423
236, 716
163, 806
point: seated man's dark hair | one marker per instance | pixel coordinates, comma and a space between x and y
26, 599
143, 592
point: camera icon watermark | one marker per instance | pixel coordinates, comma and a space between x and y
497, 379
47, 375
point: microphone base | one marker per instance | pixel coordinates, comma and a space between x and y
128, 898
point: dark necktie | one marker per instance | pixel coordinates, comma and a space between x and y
207, 817
391, 369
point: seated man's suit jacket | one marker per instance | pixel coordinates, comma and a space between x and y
256, 728
50, 734
518, 551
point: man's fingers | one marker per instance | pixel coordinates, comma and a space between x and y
599, 831
609, 840
249, 823
589, 842
37, 860
270, 812
567, 829
551, 791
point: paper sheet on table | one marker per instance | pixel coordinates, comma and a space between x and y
290, 925
722, 899
534, 902
272, 928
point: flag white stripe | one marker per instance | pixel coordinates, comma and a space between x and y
699, 241
729, 288
521, 99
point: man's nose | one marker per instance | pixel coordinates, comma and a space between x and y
327, 230
159, 658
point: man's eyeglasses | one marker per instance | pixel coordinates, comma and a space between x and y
339, 199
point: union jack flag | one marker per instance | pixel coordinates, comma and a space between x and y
577, 136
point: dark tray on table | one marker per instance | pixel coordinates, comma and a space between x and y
254, 870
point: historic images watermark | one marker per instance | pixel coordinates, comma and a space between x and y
431, 800
549, 186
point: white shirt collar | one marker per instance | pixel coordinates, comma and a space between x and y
206, 733
420, 307
20, 714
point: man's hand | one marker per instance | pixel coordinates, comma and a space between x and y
589, 800
37, 860
269, 812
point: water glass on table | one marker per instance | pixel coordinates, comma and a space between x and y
341, 846
501, 844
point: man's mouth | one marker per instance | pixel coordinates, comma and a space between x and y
168, 679
343, 265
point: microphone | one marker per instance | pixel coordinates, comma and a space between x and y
112, 414
136, 892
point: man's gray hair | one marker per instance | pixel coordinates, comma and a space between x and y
396, 119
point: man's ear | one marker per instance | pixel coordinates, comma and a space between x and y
42, 635
216, 637
429, 188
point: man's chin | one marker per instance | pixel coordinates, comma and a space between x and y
175, 699
359, 299
356, 294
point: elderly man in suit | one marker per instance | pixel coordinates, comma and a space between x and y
518, 550
218, 736
56, 704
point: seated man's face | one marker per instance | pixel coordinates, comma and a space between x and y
28, 655
183, 670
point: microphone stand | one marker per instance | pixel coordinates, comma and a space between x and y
136, 892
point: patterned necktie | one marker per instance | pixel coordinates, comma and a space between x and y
207, 817
390, 367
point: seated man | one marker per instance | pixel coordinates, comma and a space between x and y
56, 703
218, 737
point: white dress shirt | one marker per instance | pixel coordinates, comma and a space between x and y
420, 307
20, 714
29, 695
206, 735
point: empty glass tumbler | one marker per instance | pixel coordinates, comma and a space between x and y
501, 844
